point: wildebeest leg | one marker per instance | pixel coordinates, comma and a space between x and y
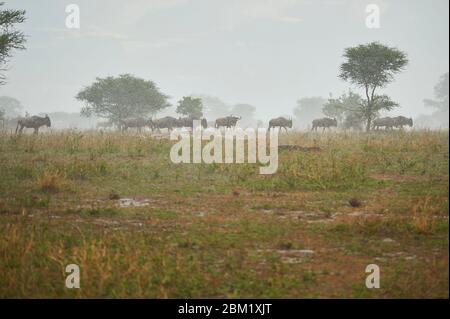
17, 127
36, 130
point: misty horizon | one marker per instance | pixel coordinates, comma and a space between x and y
268, 54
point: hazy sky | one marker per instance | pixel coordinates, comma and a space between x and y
268, 53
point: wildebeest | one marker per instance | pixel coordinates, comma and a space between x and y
167, 122
137, 122
386, 122
391, 122
324, 123
189, 122
32, 122
400, 121
280, 122
228, 121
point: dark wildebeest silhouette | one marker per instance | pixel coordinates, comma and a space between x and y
400, 121
391, 122
34, 122
189, 122
386, 122
324, 123
227, 122
167, 122
280, 122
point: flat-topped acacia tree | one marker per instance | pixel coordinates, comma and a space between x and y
372, 66
118, 98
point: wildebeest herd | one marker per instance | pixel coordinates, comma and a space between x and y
170, 123
390, 122
167, 122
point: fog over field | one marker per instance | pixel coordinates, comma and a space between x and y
265, 53
224, 149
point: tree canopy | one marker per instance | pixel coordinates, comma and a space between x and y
372, 66
351, 110
346, 109
441, 92
10, 106
246, 112
440, 104
117, 98
191, 107
213, 107
308, 109
10, 38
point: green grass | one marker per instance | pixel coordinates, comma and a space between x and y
224, 230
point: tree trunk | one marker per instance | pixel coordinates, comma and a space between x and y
369, 122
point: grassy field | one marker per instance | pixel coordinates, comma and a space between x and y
224, 230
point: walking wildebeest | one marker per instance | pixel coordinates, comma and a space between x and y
189, 122
228, 121
137, 122
324, 123
386, 122
167, 122
280, 122
400, 121
32, 122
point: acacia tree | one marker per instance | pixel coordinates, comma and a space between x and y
346, 109
370, 67
191, 107
117, 98
10, 38
351, 109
